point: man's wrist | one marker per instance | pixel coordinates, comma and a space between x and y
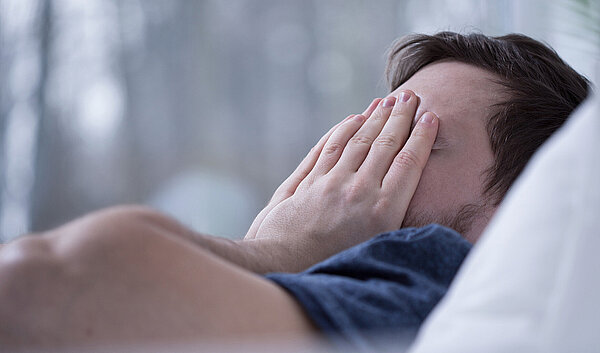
266, 255
286, 254
260, 256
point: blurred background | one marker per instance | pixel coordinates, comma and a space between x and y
201, 108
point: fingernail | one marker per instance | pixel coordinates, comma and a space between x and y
404, 97
428, 118
388, 102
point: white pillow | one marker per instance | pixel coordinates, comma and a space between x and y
532, 283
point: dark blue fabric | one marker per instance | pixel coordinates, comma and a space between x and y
388, 284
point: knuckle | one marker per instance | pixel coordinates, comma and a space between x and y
383, 210
355, 191
397, 113
305, 184
279, 195
330, 186
419, 132
407, 159
387, 141
361, 140
379, 115
333, 148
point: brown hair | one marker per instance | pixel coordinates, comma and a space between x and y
542, 89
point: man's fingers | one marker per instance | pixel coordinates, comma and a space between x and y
359, 145
403, 176
336, 143
367, 113
391, 139
288, 187
290, 184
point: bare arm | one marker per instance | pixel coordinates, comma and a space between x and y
118, 276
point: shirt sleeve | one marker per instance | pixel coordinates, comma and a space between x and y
387, 285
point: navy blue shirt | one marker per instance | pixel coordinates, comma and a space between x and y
388, 284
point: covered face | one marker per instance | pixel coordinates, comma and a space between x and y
451, 189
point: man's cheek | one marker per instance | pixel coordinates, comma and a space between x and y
434, 190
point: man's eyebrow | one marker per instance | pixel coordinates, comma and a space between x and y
441, 141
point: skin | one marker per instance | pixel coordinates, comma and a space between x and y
461, 95
130, 274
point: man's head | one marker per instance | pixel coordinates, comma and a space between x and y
498, 100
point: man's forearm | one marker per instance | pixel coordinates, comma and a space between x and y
259, 255
273, 254
256, 256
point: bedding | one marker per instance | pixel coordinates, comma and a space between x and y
532, 283
384, 286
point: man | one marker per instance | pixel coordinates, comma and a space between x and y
478, 108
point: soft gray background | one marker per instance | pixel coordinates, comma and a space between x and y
201, 108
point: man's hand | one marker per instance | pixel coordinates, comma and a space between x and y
289, 186
357, 182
